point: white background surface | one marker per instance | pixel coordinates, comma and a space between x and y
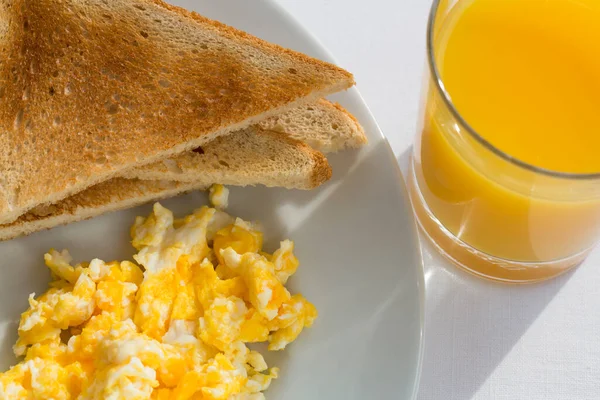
482, 340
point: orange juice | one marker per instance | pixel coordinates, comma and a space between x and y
524, 75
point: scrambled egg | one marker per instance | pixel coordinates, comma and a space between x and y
219, 196
173, 326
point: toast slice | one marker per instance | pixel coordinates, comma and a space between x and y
323, 125
91, 88
283, 162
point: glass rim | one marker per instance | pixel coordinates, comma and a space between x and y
437, 79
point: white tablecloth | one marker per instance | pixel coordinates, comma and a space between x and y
482, 340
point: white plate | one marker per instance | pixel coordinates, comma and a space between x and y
355, 238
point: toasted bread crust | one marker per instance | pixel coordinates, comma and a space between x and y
103, 195
113, 195
99, 87
321, 172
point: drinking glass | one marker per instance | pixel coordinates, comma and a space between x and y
485, 210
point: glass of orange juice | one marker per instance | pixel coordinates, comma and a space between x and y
505, 174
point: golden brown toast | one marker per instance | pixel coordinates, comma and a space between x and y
92, 88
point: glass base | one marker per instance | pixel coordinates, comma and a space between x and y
476, 262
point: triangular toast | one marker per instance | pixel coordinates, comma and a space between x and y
91, 88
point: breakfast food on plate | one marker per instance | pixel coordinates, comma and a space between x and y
111, 104
173, 326
91, 88
249, 157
